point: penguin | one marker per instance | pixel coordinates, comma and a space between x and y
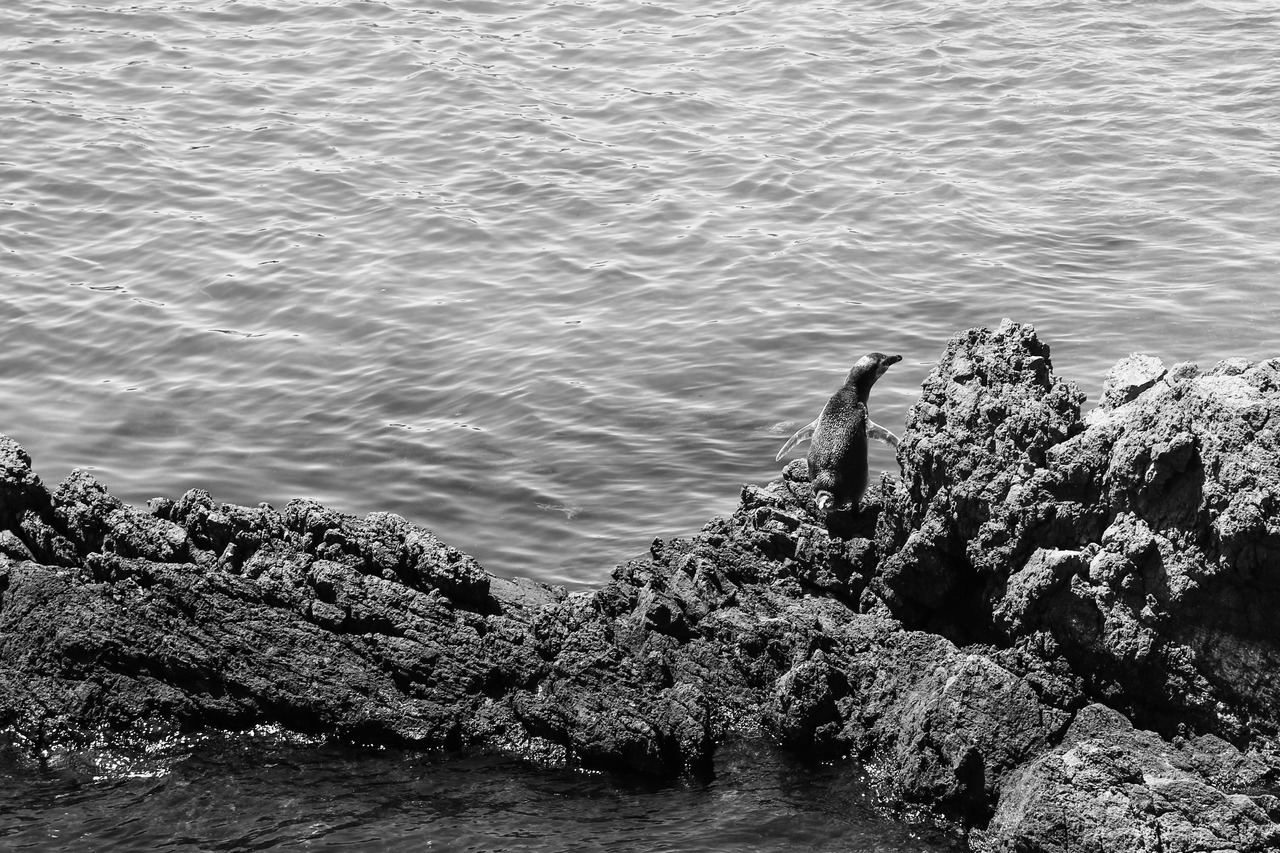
838, 450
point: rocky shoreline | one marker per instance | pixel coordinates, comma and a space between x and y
1055, 630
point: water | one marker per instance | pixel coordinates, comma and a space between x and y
227, 799
552, 279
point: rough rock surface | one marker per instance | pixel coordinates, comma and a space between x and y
1053, 630
1142, 544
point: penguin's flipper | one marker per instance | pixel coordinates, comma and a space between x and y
803, 434
874, 430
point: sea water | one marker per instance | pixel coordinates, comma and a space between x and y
554, 278
231, 798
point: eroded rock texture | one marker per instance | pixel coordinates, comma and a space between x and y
1054, 629
1141, 545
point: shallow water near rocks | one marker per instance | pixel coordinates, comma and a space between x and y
336, 799
552, 279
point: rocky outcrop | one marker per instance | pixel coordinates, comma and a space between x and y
1051, 630
1141, 544
1107, 786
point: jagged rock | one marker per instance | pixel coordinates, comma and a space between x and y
1129, 378
1108, 786
1053, 629
1145, 539
985, 424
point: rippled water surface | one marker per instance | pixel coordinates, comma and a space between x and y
327, 799
554, 278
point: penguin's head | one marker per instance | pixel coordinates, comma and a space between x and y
868, 369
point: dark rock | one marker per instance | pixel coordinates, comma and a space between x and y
986, 421
1054, 629
1143, 539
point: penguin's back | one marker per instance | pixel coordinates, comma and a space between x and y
838, 450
